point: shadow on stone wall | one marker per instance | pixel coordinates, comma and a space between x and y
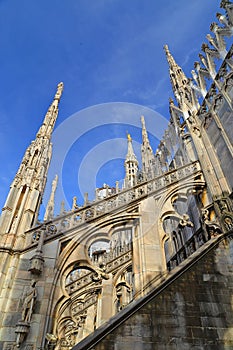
192, 309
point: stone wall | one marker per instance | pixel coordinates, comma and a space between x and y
191, 309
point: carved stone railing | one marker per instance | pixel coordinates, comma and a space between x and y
123, 256
80, 282
78, 307
111, 260
114, 257
96, 209
189, 247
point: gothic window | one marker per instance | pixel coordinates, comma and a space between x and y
78, 278
166, 250
194, 211
175, 243
121, 239
101, 245
124, 289
180, 205
170, 224
180, 239
98, 252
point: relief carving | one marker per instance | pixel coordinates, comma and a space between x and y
212, 227
29, 302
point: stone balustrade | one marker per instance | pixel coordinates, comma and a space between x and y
189, 247
124, 197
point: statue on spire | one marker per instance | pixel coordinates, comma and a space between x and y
181, 86
131, 164
46, 128
58, 94
146, 150
50, 206
129, 137
143, 122
170, 58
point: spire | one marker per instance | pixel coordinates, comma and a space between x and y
131, 165
34, 166
130, 156
177, 76
171, 61
145, 140
146, 150
181, 86
49, 213
29, 183
46, 128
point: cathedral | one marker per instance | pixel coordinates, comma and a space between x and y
147, 264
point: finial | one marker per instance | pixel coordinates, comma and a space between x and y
62, 210
224, 3
171, 101
213, 27
58, 94
54, 183
166, 49
49, 212
143, 121
197, 65
85, 198
74, 203
170, 58
129, 137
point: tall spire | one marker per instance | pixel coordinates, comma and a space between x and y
174, 68
130, 156
146, 150
22, 205
34, 166
46, 128
49, 213
131, 165
177, 76
180, 85
145, 140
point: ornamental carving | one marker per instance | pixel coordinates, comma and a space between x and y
218, 103
207, 121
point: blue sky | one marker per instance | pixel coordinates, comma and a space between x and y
105, 52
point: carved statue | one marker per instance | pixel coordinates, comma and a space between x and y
228, 222
223, 206
185, 221
42, 130
123, 291
51, 341
29, 175
224, 3
74, 204
205, 215
54, 184
29, 302
129, 137
27, 155
62, 210
212, 227
59, 91
13, 226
